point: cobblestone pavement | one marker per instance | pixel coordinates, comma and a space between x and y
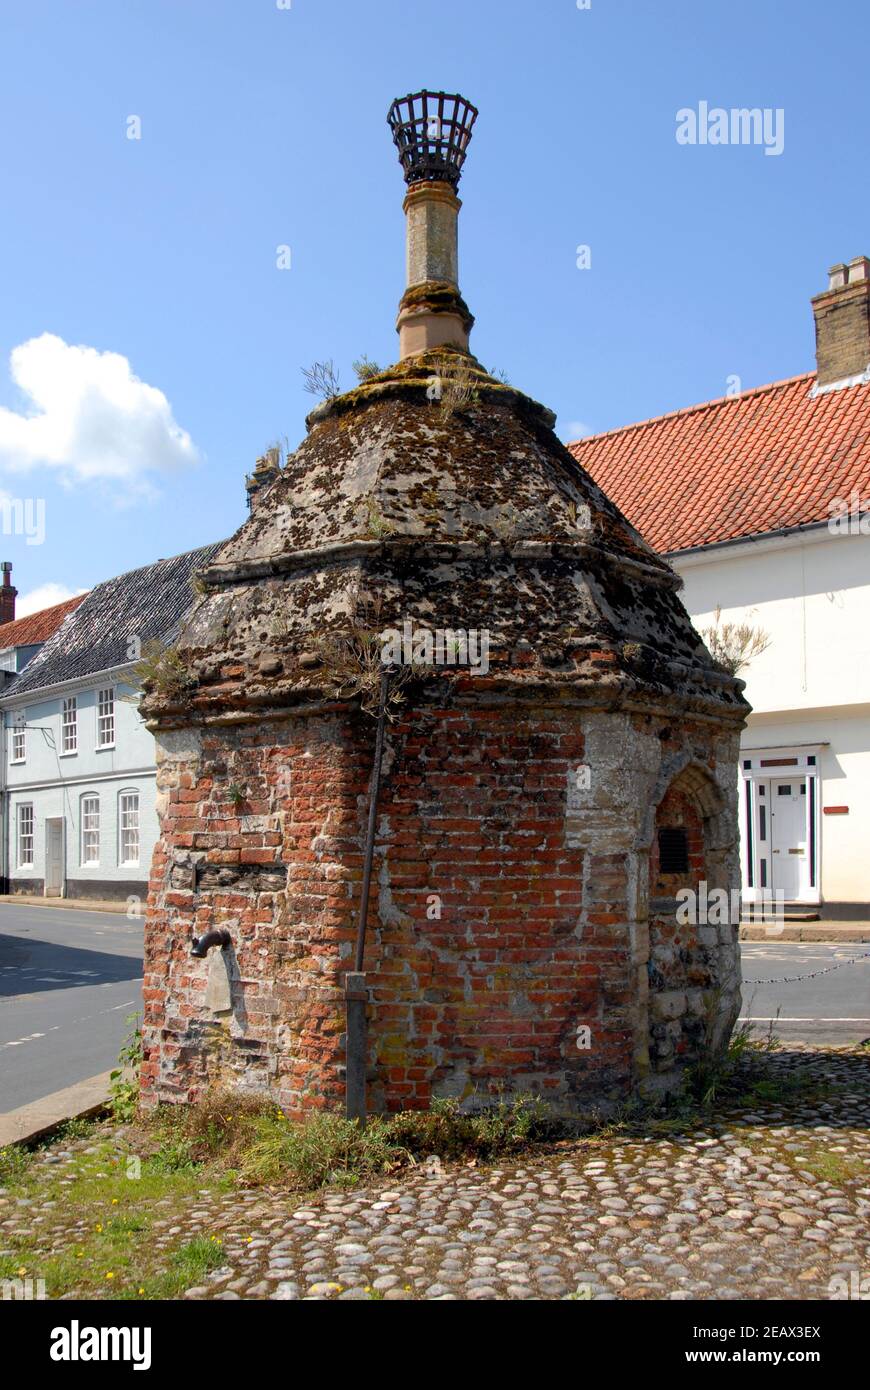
770, 1202
730, 1211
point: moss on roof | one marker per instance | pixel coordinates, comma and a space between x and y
473, 517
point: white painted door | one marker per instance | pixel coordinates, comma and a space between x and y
788, 836
54, 857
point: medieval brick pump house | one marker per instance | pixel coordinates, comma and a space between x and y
537, 812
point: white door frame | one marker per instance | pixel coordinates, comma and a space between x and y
51, 821
767, 766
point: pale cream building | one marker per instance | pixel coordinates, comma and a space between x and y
761, 501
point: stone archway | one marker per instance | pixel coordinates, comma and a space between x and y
693, 970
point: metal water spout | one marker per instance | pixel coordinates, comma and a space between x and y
216, 936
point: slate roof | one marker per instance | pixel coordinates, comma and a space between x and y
768, 459
37, 627
147, 603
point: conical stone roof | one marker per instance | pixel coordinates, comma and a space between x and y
460, 513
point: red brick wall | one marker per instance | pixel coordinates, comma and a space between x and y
492, 992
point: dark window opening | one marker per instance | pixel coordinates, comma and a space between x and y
673, 850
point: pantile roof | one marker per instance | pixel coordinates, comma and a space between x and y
766, 460
36, 627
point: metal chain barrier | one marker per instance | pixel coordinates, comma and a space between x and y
813, 975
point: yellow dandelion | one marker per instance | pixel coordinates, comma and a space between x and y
109, 1274
21, 1273
114, 1201
99, 1226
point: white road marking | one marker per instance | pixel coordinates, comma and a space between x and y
127, 1004
759, 1018
31, 1037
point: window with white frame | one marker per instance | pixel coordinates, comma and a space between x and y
19, 740
106, 718
25, 836
90, 829
128, 824
70, 726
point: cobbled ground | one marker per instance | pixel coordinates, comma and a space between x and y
768, 1202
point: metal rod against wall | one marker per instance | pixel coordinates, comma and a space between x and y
356, 998
370, 832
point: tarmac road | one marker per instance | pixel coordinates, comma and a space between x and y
69, 980
830, 1008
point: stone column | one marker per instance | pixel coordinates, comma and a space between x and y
432, 313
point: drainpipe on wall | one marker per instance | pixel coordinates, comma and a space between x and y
355, 993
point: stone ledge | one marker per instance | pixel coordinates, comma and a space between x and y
40, 1117
80, 904
806, 931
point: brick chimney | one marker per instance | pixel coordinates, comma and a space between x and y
8, 594
842, 314
432, 131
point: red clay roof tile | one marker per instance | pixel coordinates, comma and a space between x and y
771, 458
37, 627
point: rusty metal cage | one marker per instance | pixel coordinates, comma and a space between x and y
432, 131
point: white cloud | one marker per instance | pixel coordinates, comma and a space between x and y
43, 597
89, 416
576, 429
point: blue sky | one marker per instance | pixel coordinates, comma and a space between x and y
175, 343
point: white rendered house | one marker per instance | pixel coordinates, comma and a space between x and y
761, 501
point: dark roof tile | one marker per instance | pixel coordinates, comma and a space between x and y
146, 603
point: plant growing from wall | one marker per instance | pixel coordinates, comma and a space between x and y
458, 388
375, 525
321, 380
351, 664
236, 795
162, 669
733, 645
365, 369
124, 1080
